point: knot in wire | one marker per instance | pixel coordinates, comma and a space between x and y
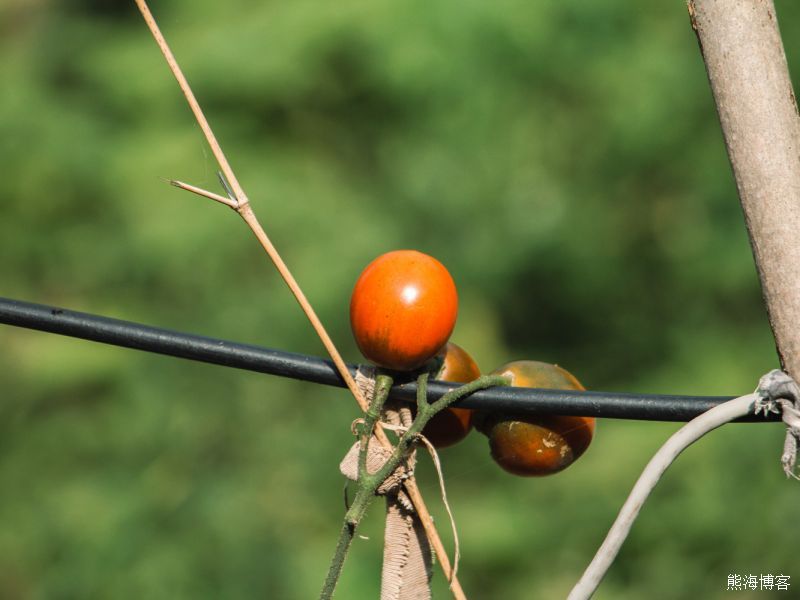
779, 393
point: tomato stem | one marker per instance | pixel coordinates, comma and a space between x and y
366, 486
422, 392
481, 383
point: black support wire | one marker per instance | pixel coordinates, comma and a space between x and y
653, 407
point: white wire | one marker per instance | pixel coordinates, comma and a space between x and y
682, 439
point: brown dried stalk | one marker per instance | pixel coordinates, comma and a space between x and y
240, 203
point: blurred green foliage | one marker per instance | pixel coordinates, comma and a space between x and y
563, 159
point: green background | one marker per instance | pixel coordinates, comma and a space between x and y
563, 159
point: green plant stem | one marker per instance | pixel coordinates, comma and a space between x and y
342, 546
368, 483
422, 392
365, 487
383, 384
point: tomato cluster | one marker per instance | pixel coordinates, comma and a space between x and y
402, 312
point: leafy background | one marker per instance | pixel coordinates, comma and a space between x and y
564, 160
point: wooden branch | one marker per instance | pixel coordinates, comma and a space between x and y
746, 66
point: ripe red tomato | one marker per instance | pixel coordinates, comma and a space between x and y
403, 309
452, 425
535, 445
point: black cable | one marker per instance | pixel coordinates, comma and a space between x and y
654, 407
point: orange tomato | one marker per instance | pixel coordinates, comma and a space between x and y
452, 425
403, 309
535, 445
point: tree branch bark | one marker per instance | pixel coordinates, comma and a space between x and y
746, 66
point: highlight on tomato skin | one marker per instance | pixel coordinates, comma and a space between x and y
452, 425
537, 445
403, 309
